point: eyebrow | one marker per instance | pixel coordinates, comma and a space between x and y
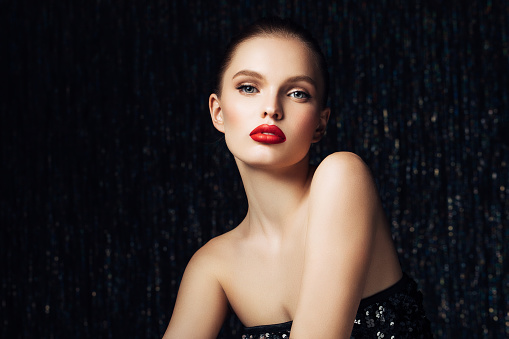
257, 75
302, 78
248, 73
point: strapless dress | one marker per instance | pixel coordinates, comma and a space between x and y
396, 312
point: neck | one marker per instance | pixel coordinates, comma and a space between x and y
275, 196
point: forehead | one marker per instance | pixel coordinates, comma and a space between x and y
274, 56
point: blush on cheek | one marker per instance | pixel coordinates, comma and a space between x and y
236, 113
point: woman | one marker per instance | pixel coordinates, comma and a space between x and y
314, 257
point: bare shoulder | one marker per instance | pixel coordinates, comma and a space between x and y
216, 257
201, 298
212, 255
341, 168
343, 184
344, 215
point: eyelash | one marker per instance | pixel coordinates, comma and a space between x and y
305, 95
243, 88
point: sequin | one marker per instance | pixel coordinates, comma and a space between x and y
396, 312
107, 147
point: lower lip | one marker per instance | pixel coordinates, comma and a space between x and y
267, 138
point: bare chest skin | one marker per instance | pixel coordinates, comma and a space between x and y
262, 279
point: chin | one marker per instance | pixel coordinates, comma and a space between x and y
264, 160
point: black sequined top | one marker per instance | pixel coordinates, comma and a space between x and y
395, 312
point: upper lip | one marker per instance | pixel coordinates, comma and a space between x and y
271, 129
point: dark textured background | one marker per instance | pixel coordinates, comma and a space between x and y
112, 174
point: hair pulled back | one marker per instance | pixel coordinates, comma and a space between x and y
275, 26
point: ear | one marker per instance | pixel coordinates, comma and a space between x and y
322, 124
216, 112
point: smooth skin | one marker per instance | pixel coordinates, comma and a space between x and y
314, 240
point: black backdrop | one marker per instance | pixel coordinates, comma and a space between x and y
112, 175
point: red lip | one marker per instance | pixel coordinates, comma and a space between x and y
273, 135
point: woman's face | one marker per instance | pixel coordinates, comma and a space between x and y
271, 81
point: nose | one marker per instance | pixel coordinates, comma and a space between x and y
273, 108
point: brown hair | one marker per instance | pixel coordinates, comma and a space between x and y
275, 26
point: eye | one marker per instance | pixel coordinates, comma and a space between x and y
248, 89
299, 95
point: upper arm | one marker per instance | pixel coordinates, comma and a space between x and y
341, 230
201, 304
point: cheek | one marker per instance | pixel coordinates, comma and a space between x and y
235, 123
307, 123
237, 113
232, 114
